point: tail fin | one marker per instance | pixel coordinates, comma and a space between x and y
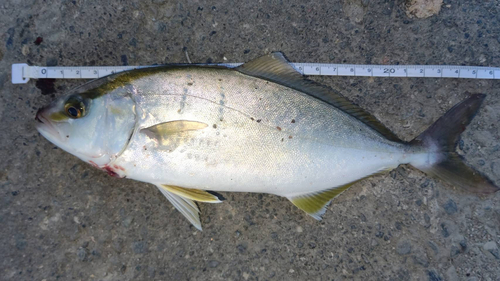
441, 138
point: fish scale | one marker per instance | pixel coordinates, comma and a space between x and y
280, 160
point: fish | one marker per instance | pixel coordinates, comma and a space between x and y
194, 131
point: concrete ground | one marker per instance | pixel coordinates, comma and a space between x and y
61, 219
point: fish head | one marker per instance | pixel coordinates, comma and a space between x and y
94, 122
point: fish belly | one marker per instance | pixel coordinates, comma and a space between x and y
260, 137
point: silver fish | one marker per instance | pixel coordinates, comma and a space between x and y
261, 127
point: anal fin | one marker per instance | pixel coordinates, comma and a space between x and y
314, 204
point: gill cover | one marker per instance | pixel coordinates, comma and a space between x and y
93, 122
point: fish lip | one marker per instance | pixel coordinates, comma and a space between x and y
46, 128
38, 119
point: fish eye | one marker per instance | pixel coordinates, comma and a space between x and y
73, 112
74, 108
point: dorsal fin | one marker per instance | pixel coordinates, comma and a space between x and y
275, 68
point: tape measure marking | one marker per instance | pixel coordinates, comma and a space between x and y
22, 73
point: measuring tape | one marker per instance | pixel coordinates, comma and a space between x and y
22, 73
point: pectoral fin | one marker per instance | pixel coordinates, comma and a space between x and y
315, 204
168, 129
170, 135
195, 194
186, 206
174, 127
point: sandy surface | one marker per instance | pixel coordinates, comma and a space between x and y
61, 219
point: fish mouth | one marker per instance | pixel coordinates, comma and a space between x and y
46, 128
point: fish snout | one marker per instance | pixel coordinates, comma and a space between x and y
45, 126
38, 116
42, 114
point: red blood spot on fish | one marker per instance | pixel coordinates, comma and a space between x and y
110, 171
118, 167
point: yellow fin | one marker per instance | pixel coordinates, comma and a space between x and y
170, 135
315, 203
166, 129
195, 194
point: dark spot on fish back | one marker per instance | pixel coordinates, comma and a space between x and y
293, 120
290, 137
215, 126
190, 84
279, 128
251, 118
283, 139
258, 120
